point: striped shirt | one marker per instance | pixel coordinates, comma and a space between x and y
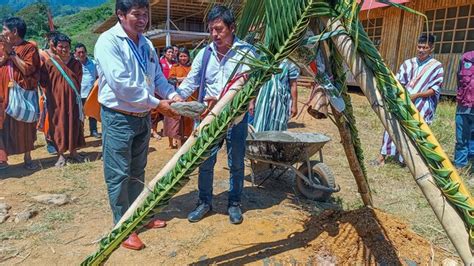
418, 77
431, 71
273, 105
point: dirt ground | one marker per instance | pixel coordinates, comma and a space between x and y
280, 227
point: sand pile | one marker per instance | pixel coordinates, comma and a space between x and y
368, 236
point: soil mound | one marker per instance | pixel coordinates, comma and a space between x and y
369, 236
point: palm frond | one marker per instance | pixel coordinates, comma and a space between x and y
250, 18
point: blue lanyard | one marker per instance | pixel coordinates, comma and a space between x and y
142, 61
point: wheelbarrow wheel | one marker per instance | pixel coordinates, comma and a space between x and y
321, 175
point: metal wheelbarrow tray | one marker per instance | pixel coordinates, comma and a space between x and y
284, 149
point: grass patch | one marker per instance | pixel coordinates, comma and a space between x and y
38, 228
444, 127
13, 234
77, 174
59, 216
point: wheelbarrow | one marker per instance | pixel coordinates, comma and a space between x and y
269, 149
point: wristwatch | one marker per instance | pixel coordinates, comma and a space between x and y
12, 53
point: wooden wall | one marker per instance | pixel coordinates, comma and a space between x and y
401, 30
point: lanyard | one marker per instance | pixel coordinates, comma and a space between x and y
142, 61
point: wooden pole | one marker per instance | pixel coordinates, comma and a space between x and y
347, 142
449, 218
227, 98
354, 165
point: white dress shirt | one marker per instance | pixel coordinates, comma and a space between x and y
218, 71
122, 82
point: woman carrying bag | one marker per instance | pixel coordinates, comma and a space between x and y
19, 80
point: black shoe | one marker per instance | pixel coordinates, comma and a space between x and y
201, 210
96, 135
235, 213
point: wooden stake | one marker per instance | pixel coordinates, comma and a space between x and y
354, 165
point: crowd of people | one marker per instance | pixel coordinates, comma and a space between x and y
136, 88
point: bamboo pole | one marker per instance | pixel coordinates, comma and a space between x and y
227, 98
354, 165
449, 218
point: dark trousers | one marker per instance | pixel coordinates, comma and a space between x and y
235, 142
464, 125
125, 142
92, 121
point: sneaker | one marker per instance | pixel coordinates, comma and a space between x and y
199, 212
235, 213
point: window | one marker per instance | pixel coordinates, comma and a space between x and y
453, 28
373, 27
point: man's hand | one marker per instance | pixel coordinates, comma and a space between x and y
413, 97
177, 98
165, 108
211, 102
294, 110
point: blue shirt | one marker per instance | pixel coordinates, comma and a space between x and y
123, 84
89, 74
218, 71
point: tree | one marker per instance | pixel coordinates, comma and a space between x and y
5, 12
36, 18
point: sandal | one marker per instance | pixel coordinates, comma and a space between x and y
60, 164
30, 165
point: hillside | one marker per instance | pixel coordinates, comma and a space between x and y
16, 5
80, 26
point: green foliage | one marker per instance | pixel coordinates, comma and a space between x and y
80, 26
16, 5
5, 12
36, 18
66, 10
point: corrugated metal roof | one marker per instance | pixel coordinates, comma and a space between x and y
371, 4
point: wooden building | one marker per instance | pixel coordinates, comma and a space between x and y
184, 27
395, 32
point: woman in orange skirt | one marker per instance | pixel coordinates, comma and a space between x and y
177, 130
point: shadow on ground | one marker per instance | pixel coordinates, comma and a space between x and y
376, 246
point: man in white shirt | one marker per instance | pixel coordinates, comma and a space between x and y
222, 58
129, 76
